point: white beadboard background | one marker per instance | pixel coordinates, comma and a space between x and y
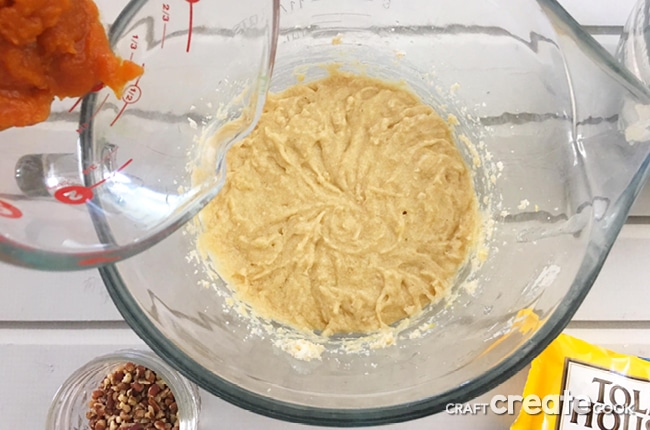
52, 323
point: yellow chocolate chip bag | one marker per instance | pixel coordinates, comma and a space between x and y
574, 385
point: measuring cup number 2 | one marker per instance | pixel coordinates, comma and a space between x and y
74, 195
78, 194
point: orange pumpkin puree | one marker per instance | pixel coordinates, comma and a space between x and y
53, 48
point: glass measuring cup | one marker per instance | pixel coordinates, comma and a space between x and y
104, 178
548, 113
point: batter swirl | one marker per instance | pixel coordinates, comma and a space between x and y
348, 208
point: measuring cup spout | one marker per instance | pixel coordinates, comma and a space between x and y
40, 175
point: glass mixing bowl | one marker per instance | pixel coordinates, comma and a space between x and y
539, 103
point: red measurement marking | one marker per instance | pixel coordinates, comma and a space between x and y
165, 12
94, 89
76, 104
94, 261
74, 195
9, 211
78, 194
139, 77
119, 114
131, 95
189, 33
112, 174
134, 45
105, 158
85, 125
166, 16
164, 35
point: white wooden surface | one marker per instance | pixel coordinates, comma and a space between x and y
50, 324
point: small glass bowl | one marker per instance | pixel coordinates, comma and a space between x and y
70, 403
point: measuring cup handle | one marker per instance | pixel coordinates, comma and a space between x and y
39, 175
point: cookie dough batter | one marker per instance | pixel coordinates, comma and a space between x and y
347, 209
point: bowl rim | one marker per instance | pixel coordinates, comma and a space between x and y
245, 399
